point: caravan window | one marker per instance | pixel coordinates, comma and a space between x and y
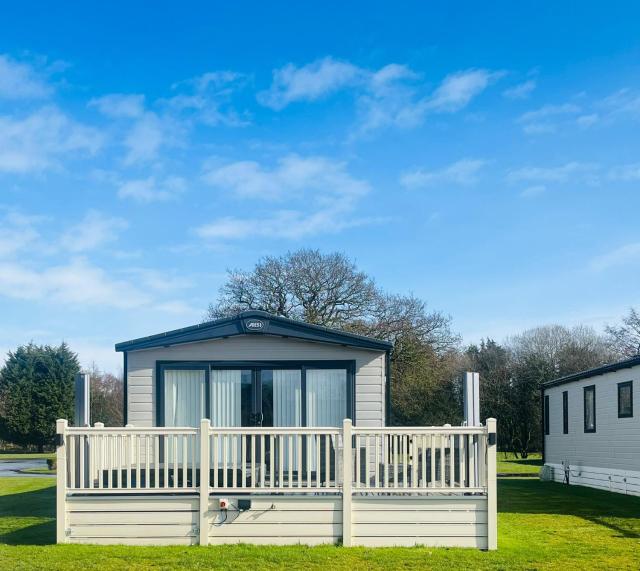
590, 408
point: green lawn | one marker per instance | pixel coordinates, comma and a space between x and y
27, 456
508, 464
542, 525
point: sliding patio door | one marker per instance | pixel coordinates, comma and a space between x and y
184, 405
326, 405
326, 397
184, 397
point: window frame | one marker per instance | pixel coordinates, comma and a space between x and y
546, 416
585, 390
623, 385
348, 364
565, 412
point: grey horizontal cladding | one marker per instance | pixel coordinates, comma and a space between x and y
626, 364
272, 325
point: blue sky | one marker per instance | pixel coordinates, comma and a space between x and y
485, 158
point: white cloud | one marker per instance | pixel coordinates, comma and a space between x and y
20, 81
179, 307
75, 283
80, 284
324, 191
309, 82
622, 256
151, 189
540, 128
39, 140
391, 101
623, 102
626, 173
532, 191
93, 351
549, 111
146, 132
458, 89
147, 136
315, 178
161, 281
17, 233
588, 120
462, 172
216, 80
545, 119
119, 105
520, 91
385, 97
285, 224
559, 174
208, 98
93, 231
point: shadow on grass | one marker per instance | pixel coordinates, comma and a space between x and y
521, 462
34, 504
39, 534
597, 506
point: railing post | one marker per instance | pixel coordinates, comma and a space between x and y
492, 485
205, 462
347, 481
61, 481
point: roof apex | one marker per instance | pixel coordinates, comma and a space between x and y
263, 323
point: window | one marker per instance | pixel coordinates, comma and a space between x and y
546, 414
590, 408
565, 412
625, 399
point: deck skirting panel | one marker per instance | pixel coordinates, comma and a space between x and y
619, 481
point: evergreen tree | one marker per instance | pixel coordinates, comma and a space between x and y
36, 388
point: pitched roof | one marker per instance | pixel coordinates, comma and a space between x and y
626, 364
253, 322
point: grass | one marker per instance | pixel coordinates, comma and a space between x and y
26, 456
542, 525
509, 464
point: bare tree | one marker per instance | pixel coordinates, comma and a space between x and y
328, 289
564, 350
543, 354
107, 397
324, 289
625, 338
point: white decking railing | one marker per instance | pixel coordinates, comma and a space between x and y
292, 460
348, 461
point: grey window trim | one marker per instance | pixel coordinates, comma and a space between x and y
546, 415
590, 388
565, 412
621, 386
349, 365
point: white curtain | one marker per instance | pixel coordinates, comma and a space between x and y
287, 408
226, 386
184, 402
287, 397
226, 411
184, 405
326, 397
